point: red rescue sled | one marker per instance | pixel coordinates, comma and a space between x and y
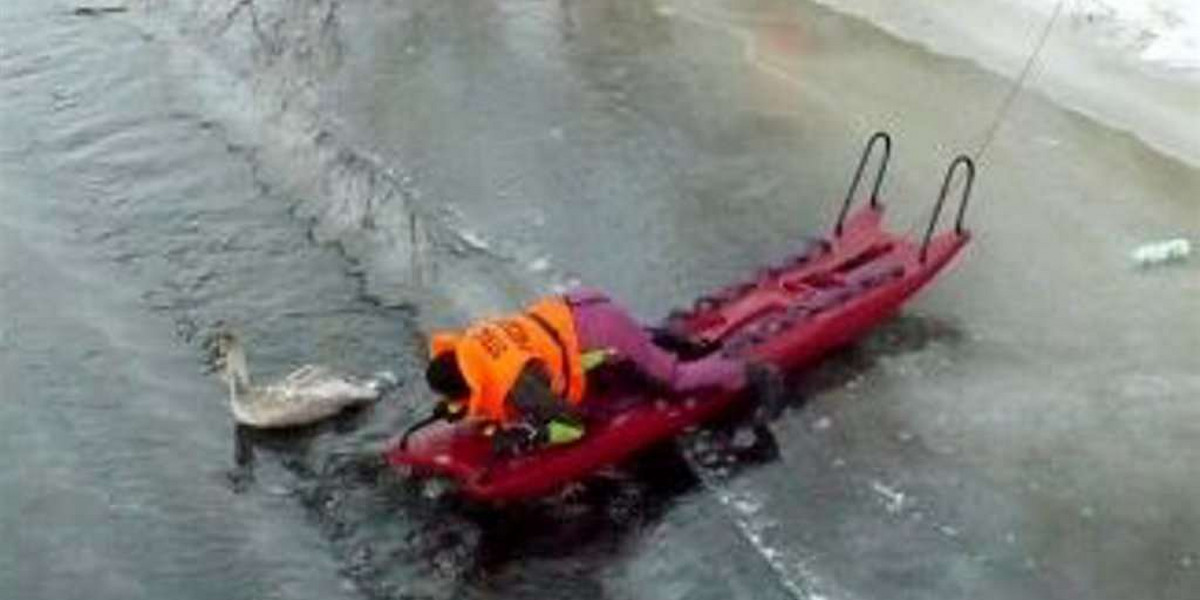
828, 294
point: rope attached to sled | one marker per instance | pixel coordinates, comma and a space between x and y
1019, 84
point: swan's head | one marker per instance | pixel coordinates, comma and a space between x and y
226, 356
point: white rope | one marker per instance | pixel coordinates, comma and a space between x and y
1019, 84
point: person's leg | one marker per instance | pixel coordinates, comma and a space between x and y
602, 324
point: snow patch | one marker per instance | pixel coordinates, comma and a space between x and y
1162, 32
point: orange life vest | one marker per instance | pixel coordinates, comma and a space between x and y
492, 353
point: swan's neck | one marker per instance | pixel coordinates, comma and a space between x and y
237, 374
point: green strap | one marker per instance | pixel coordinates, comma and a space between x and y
561, 432
594, 358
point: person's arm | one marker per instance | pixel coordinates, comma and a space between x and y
532, 397
553, 420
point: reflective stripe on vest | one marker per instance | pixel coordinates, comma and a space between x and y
492, 353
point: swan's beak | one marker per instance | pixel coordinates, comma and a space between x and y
216, 348
214, 355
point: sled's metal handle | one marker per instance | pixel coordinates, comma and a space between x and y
879, 136
969, 165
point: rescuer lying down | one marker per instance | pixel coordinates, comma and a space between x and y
524, 376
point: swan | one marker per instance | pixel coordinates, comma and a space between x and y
307, 395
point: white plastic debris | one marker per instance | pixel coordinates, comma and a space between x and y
1158, 253
894, 500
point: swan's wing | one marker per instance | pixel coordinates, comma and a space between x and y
288, 405
337, 389
300, 383
306, 395
274, 412
311, 383
307, 375
263, 407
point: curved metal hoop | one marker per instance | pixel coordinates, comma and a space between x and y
969, 165
879, 136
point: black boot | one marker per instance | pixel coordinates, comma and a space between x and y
765, 384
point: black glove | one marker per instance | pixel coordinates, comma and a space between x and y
517, 439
